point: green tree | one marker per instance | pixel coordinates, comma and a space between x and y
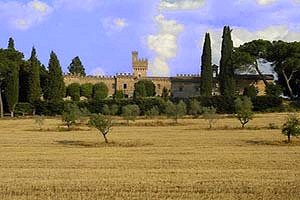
165, 94
114, 109
139, 90
24, 81
210, 115
56, 85
250, 91
144, 88
226, 77
175, 111
243, 109
248, 56
206, 69
14, 61
119, 94
273, 90
106, 110
4, 70
11, 44
73, 90
34, 87
44, 80
76, 67
70, 114
285, 58
86, 90
152, 112
130, 112
291, 127
100, 91
195, 109
102, 123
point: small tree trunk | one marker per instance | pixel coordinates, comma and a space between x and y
287, 81
11, 114
105, 138
289, 138
260, 74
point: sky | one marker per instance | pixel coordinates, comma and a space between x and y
169, 33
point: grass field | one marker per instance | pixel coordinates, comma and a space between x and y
186, 161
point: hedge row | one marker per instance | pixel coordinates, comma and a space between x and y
223, 105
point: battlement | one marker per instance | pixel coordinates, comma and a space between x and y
187, 75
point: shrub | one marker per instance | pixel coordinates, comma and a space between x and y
130, 112
86, 90
291, 127
210, 114
243, 109
24, 108
70, 114
100, 91
73, 90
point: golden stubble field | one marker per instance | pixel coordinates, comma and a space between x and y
186, 161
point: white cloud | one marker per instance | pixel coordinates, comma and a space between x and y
23, 16
181, 4
98, 71
265, 2
112, 25
78, 4
164, 45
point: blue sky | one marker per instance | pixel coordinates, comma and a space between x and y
103, 33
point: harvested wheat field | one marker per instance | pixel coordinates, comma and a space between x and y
184, 161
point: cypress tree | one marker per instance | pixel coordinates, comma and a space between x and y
76, 67
226, 78
34, 90
56, 85
15, 60
206, 68
11, 43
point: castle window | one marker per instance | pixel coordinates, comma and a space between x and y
125, 86
113, 86
158, 86
181, 89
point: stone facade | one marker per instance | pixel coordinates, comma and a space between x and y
179, 86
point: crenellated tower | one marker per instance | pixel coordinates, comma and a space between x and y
140, 66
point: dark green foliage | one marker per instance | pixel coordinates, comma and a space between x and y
4, 70
44, 80
119, 94
146, 104
221, 103
227, 77
49, 108
243, 109
106, 109
56, 85
144, 88
70, 114
273, 90
250, 91
130, 112
206, 68
291, 127
139, 90
34, 87
100, 91
24, 109
86, 90
24, 81
102, 123
114, 110
76, 67
73, 90
266, 103
11, 44
165, 94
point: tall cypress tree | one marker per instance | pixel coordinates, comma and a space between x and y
15, 59
56, 85
206, 68
76, 67
226, 78
34, 87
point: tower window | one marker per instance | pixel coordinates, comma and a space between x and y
180, 88
125, 86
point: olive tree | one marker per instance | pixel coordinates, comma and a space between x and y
291, 127
175, 111
243, 109
210, 114
102, 123
130, 112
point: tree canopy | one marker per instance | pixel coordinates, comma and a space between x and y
76, 67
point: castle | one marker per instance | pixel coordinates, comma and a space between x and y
180, 86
